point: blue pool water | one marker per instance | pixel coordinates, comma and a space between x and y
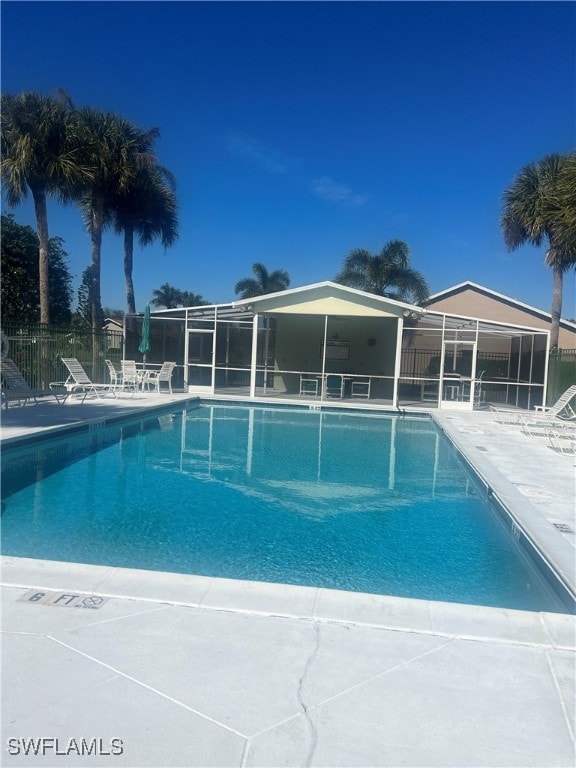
370, 503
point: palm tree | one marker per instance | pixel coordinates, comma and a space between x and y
41, 155
167, 296
263, 282
190, 299
382, 272
114, 149
147, 208
540, 206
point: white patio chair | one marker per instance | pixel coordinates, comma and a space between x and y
360, 389
334, 386
308, 385
479, 395
16, 389
78, 382
117, 382
157, 378
452, 386
115, 376
130, 377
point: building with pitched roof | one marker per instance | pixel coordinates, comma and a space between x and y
469, 298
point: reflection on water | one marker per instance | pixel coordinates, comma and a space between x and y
321, 463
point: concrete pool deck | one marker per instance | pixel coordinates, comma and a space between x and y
193, 671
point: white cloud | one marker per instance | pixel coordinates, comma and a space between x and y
277, 162
328, 189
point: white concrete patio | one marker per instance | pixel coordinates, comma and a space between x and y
288, 681
194, 671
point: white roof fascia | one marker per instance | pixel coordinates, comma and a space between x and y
183, 309
455, 288
329, 284
470, 284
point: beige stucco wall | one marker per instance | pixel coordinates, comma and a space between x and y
475, 304
332, 305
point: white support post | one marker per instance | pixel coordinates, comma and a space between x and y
254, 356
442, 359
397, 361
473, 383
529, 403
213, 378
186, 347
323, 379
518, 368
546, 365
266, 350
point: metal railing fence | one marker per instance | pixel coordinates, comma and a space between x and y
420, 362
36, 349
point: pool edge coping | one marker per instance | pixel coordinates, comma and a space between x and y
317, 604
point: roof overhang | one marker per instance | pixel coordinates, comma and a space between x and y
329, 299
468, 285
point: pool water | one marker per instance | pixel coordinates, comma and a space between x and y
371, 503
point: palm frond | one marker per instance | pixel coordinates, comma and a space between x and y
396, 252
381, 273
247, 288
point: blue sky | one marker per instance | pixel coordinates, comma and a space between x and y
298, 131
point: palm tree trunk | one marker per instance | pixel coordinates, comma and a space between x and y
97, 225
128, 265
42, 228
556, 311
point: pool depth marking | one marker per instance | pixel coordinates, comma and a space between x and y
62, 599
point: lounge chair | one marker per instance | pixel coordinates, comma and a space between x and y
543, 420
540, 424
16, 389
561, 409
156, 378
562, 438
78, 381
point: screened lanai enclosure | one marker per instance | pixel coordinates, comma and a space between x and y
326, 342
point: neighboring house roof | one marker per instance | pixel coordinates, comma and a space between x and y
328, 298
111, 325
508, 300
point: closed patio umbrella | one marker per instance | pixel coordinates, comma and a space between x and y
145, 339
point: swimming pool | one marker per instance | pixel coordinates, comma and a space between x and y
363, 502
